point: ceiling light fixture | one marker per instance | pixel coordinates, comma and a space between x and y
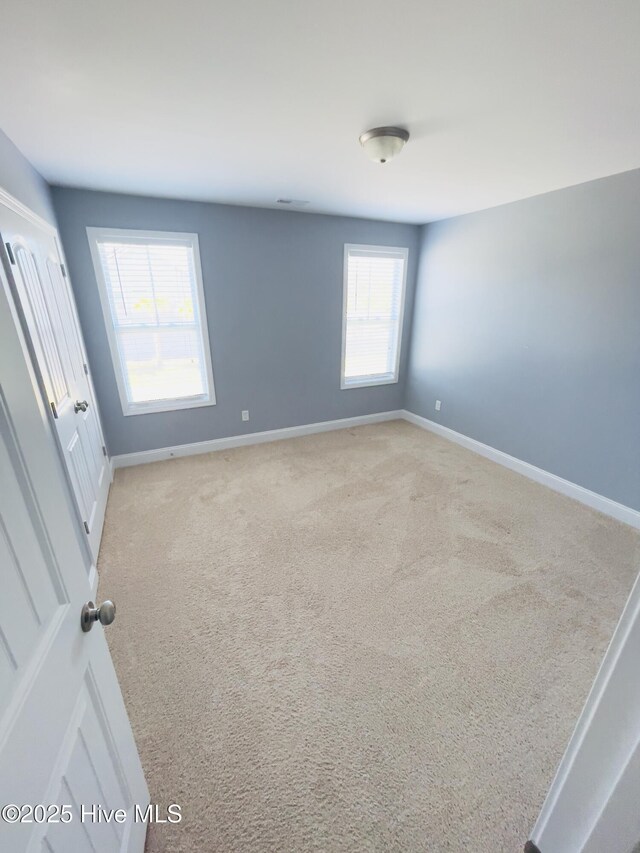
381, 144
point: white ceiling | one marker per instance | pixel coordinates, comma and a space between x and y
245, 101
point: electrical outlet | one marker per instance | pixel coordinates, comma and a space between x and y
438, 404
245, 414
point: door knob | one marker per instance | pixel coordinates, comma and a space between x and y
105, 614
80, 406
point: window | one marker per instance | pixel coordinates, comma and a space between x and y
374, 284
150, 285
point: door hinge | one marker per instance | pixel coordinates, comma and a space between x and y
64, 272
86, 369
104, 450
86, 527
10, 253
54, 410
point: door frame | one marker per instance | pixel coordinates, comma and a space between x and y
25, 212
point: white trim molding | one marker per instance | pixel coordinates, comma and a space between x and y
598, 502
125, 460
21, 209
592, 499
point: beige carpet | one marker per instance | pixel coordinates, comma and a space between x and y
366, 640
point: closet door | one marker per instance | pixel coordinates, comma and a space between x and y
48, 311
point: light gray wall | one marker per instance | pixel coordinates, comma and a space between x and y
20, 179
527, 328
273, 291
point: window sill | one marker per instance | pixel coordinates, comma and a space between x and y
166, 406
367, 382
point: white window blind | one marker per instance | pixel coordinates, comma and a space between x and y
374, 288
151, 290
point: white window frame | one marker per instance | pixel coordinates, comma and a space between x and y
382, 252
96, 235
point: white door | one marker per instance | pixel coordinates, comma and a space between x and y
592, 805
45, 298
65, 739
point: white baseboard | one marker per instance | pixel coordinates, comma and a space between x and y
127, 459
595, 501
605, 505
